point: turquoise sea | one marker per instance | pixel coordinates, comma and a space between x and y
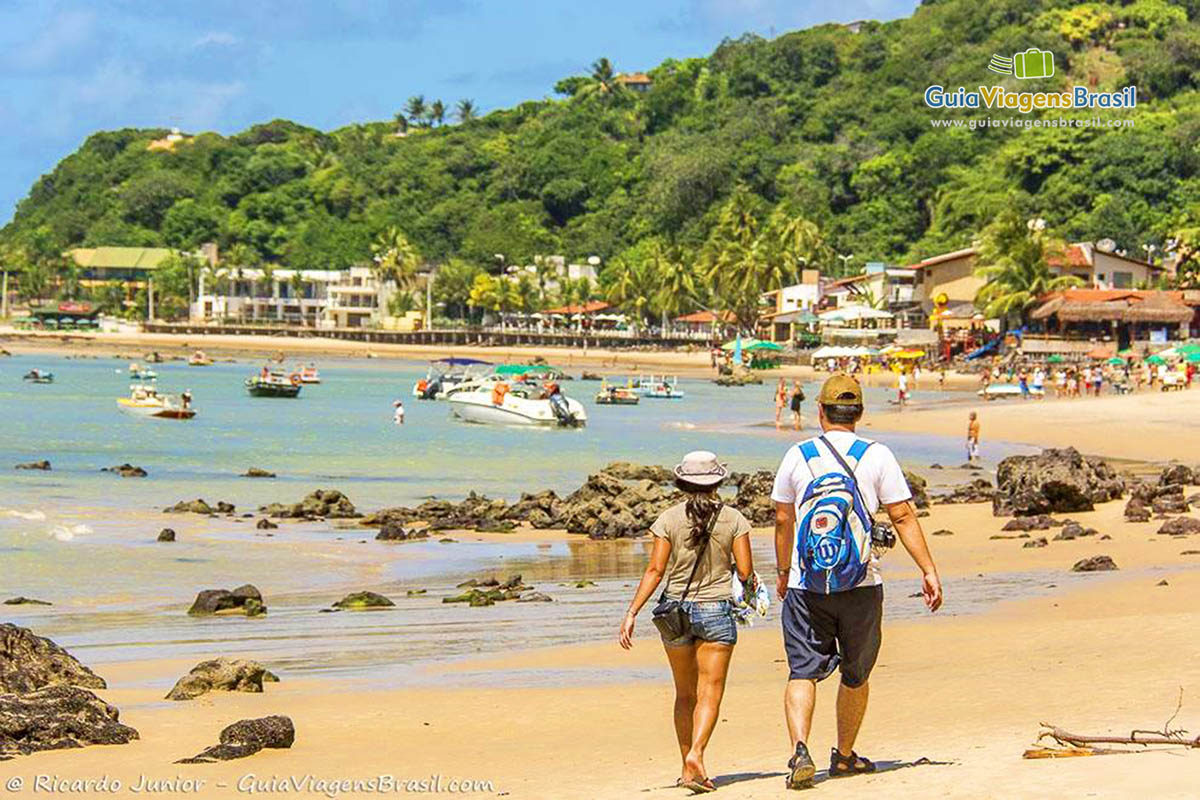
84, 539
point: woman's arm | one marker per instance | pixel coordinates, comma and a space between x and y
743, 559
650, 580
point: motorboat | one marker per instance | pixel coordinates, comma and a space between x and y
38, 376
309, 374
999, 391
613, 395
659, 387
272, 383
532, 372
199, 359
447, 373
139, 373
145, 401
519, 404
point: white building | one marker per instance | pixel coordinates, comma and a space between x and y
356, 300
288, 296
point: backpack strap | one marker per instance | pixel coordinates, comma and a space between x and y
857, 450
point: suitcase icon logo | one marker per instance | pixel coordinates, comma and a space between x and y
1033, 63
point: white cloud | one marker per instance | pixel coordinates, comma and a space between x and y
216, 39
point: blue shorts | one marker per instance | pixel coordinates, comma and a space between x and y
709, 622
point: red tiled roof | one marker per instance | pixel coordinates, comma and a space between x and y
1075, 256
707, 317
590, 307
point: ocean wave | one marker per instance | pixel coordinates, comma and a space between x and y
31, 516
65, 533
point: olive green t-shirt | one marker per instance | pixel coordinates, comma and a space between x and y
712, 578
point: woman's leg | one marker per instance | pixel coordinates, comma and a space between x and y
713, 661
684, 671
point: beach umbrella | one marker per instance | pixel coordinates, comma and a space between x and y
759, 344
1156, 359
1193, 357
1055, 359
1116, 362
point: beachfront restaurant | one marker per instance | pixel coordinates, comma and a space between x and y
1130, 318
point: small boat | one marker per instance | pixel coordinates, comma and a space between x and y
445, 374
270, 383
139, 373
520, 404
199, 359
309, 374
659, 387
997, 391
145, 401
38, 376
610, 395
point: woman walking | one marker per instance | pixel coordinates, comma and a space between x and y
781, 399
696, 544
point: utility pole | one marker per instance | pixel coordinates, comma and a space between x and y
4, 296
149, 299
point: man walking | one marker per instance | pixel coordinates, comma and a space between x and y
828, 570
972, 438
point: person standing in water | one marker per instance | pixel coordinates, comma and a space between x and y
781, 399
797, 398
398, 416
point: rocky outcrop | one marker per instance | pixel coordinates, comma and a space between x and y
198, 506
1073, 530
321, 504
42, 465
21, 600
1180, 526
221, 675
247, 737
126, 471
166, 535
753, 497
255, 472
1055, 480
361, 601
245, 600
265, 524
489, 591
1040, 522
916, 485
979, 490
44, 699
1038, 542
1095, 564
395, 532
606, 507
1178, 475
739, 377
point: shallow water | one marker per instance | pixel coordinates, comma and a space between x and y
84, 539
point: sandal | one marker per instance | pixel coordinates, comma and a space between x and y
698, 785
801, 769
841, 766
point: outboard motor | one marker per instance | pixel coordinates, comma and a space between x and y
558, 404
432, 389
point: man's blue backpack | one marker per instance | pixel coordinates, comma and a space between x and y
833, 526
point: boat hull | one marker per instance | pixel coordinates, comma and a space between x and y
154, 410
478, 407
258, 388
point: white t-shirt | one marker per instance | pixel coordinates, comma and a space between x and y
878, 474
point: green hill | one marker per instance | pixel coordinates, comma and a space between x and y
825, 124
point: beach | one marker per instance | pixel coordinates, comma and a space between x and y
537, 700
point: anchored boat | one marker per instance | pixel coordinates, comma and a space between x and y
519, 404
38, 376
139, 373
199, 359
661, 387
309, 374
270, 383
145, 401
612, 395
446, 374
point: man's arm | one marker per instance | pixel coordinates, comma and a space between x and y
785, 534
908, 528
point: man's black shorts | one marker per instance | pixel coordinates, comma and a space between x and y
824, 631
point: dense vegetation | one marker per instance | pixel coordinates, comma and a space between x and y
727, 176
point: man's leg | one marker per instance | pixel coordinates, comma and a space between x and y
851, 708
799, 700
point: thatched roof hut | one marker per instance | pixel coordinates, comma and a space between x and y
1115, 305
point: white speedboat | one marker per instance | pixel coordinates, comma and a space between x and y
522, 404
662, 387
139, 373
447, 373
145, 401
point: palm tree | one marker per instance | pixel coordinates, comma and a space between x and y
453, 285
465, 110
437, 112
415, 109
632, 288
527, 293
730, 257
676, 283
395, 260
297, 283
401, 123
604, 76
1014, 261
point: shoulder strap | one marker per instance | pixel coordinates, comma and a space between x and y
712, 523
847, 467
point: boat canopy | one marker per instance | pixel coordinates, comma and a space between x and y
459, 362
521, 369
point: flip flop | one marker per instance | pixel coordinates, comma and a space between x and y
698, 785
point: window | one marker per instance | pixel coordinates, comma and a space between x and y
1122, 280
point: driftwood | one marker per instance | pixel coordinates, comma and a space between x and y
1075, 744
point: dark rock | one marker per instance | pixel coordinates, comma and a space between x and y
247, 737
395, 532
628, 471
971, 466
25, 601
942, 532
416, 592
1056, 480
1039, 522
590, 376
916, 484
1178, 474
1180, 526
1094, 564
1136, 511
244, 600
265, 524
535, 597
126, 471
753, 497
166, 535
1170, 504
1190, 553
225, 508
1070, 531
58, 717
29, 662
255, 472
221, 674
936, 466
1105, 538
1038, 542
42, 465
1163, 582
360, 601
197, 506
321, 504
979, 490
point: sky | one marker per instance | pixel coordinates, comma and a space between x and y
69, 68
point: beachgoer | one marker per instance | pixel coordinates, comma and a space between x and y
695, 543
781, 399
1097, 380
942, 379
825, 631
1039, 383
902, 388
398, 416
1023, 382
797, 399
186, 398
973, 438
1060, 383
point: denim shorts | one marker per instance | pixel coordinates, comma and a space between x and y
709, 622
